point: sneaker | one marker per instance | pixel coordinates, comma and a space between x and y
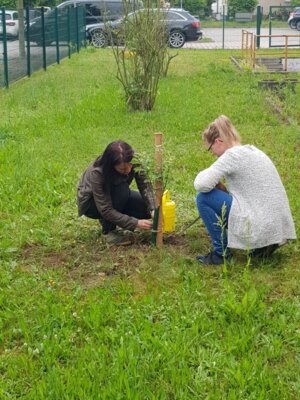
117, 238
211, 259
263, 252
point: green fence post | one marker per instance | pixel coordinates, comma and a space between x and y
77, 29
28, 42
84, 26
5, 58
258, 23
44, 39
57, 36
69, 31
223, 27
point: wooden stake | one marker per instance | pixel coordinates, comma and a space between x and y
159, 185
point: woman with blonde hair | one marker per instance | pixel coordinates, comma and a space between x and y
252, 211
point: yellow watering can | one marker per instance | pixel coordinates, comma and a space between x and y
168, 212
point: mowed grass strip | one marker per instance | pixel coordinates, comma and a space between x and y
81, 321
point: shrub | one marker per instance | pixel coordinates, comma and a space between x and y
144, 59
241, 5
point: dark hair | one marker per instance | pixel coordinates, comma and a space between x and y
115, 153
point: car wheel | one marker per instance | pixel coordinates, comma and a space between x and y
292, 24
98, 38
176, 39
48, 41
40, 42
298, 26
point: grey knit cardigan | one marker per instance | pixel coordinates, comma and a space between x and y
260, 213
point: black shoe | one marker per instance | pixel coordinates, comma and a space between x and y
211, 259
264, 252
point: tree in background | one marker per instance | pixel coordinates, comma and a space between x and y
241, 6
12, 4
200, 8
41, 3
9, 4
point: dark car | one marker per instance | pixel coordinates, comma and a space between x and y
181, 27
90, 12
294, 19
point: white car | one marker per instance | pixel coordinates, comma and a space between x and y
12, 23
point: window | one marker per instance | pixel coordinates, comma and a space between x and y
173, 16
115, 8
13, 16
92, 9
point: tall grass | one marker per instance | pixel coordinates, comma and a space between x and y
79, 321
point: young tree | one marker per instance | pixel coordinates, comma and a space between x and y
144, 58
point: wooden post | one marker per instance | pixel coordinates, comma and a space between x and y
159, 186
285, 52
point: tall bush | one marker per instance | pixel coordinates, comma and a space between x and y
144, 59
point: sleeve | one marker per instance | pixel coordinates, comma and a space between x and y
104, 204
225, 165
145, 188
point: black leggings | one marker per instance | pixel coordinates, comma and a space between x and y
125, 201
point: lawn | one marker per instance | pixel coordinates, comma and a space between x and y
79, 320
243, 25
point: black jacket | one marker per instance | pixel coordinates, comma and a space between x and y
91, 185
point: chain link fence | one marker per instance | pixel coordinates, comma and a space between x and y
27, 45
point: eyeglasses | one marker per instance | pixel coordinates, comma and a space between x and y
212, 143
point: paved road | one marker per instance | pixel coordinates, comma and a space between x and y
13, 49
233, 38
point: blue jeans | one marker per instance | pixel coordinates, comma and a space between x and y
210, 206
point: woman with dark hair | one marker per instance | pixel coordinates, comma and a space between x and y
104, 193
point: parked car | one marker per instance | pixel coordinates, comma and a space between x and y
95, 11
294, 19
11, 23
102, 10
181, 27
39, 8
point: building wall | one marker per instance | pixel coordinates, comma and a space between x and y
267, 3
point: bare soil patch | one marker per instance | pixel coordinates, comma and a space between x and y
92, 263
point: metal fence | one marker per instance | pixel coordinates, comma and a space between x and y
40, 42
280, 12
285, 58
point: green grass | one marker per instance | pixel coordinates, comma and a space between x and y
80, 321
242, 25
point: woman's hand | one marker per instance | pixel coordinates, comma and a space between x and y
221, 186
145, 224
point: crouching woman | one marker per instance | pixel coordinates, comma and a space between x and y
252, 211
104, 193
